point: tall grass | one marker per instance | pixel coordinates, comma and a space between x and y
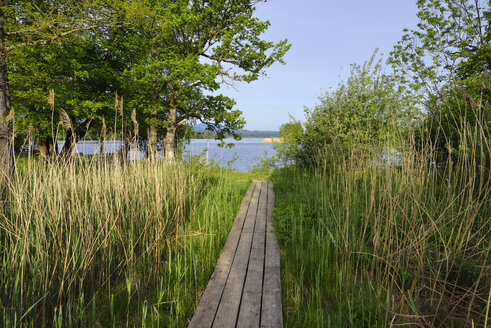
96, 243
371, 244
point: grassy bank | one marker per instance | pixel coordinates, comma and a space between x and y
100, 244
378, 245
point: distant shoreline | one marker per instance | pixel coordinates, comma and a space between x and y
273, 140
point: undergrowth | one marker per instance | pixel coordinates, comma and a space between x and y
373, 245
97, 243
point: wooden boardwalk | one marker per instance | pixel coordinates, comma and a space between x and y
244, 289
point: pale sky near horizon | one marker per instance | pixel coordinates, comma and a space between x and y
326, 36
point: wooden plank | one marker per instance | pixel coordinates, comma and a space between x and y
228, 308
271, 314
250, 307
208, 305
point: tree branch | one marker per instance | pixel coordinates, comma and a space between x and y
23, 32
50, 39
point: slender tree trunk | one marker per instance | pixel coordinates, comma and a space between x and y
152, 153
100, 146
170, 136
102, 137
125, 149
43, 149
69, 144
7, 166
73, 136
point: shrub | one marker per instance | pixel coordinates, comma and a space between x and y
362, 114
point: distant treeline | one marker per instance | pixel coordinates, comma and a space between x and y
195, 134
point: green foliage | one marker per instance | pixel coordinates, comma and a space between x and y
166, 59
359, 116
446, 60
76, 74
286, 149
189, 48
62, 57
456, 125
451, 42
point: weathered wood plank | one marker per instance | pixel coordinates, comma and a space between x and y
271, 313
208, 305
244, 290
250, 307
228, 308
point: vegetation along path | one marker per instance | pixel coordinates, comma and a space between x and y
244, 289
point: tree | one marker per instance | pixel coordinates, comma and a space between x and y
447, 60
166, 59
287, 151
360, 115
68, 79
196, 46
25, 24
451, 43
76, 75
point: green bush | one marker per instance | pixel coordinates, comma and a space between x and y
361, 114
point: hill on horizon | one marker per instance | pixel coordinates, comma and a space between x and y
243, 132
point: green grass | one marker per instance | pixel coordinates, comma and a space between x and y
375, 245
94, 243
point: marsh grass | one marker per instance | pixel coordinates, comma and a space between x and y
372, 244
96, 243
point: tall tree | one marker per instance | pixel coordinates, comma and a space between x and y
68, 78
197, 45
24, 24
447, 59
451, 43
6, 156
216, 42
146, 80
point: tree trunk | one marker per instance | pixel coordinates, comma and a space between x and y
53, 147
125, 149
43, 149
47, 149
69, 145
152, 153
100, 147
170, 136
74, 136
7, 166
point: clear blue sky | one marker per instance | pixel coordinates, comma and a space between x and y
326, 36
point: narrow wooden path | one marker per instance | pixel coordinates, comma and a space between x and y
244, 289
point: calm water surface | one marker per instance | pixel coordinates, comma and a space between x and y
242, 157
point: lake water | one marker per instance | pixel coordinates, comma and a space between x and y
242, 157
